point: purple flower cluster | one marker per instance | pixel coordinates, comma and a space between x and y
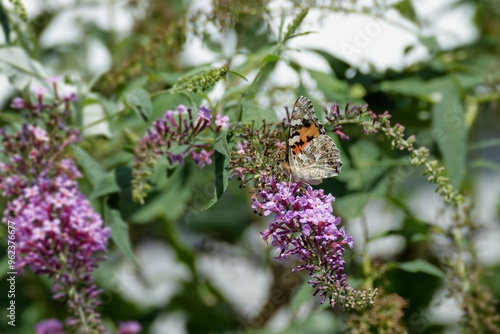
54, 326
39, 105
49, 326
129, 327
349, 111
57, 233
334, 115
55, 225
56, 228
305, 228
175, 128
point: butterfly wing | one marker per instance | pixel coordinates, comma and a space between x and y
312, 155
319, 160
304, 127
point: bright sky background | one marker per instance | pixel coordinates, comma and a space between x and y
358, 39
361, 39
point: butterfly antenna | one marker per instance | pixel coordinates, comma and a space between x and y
287, 115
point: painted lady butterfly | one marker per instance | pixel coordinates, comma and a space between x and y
311, 155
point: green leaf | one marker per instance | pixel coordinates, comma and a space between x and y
21, 70
424, 90
169, 77
484, 144
363, 153
406, 9
119, 233
159, 102
222, 158
93, 111
483, 163
270, 59
93, 171
429, 90
238, 74
161, 172
338, 66
282, 23
234, 92
107, 185
95, 78
333, 88
450, 132
197, 70
302, 34
4, 266
418, 266
301, 295
14, 118
381, 235
211, 44
4, 21
221, 144
431, 43
252, 112
367, 168
410, 231
139, 100
352, 206
170, 204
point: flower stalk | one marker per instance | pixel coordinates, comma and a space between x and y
304, 227
372, 123
174, 129
57, 231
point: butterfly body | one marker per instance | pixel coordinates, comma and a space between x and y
311, 155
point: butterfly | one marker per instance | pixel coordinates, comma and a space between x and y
311, 155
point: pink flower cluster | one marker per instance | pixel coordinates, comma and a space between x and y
57, 233
175, 129
56, 226
54, 326
308, 213
305, 228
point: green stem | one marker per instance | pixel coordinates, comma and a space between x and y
494, 96
461, 269
444, 189
452, 74
83, 319
367, 268
72, 292
165, 91
22, 34
276, 52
